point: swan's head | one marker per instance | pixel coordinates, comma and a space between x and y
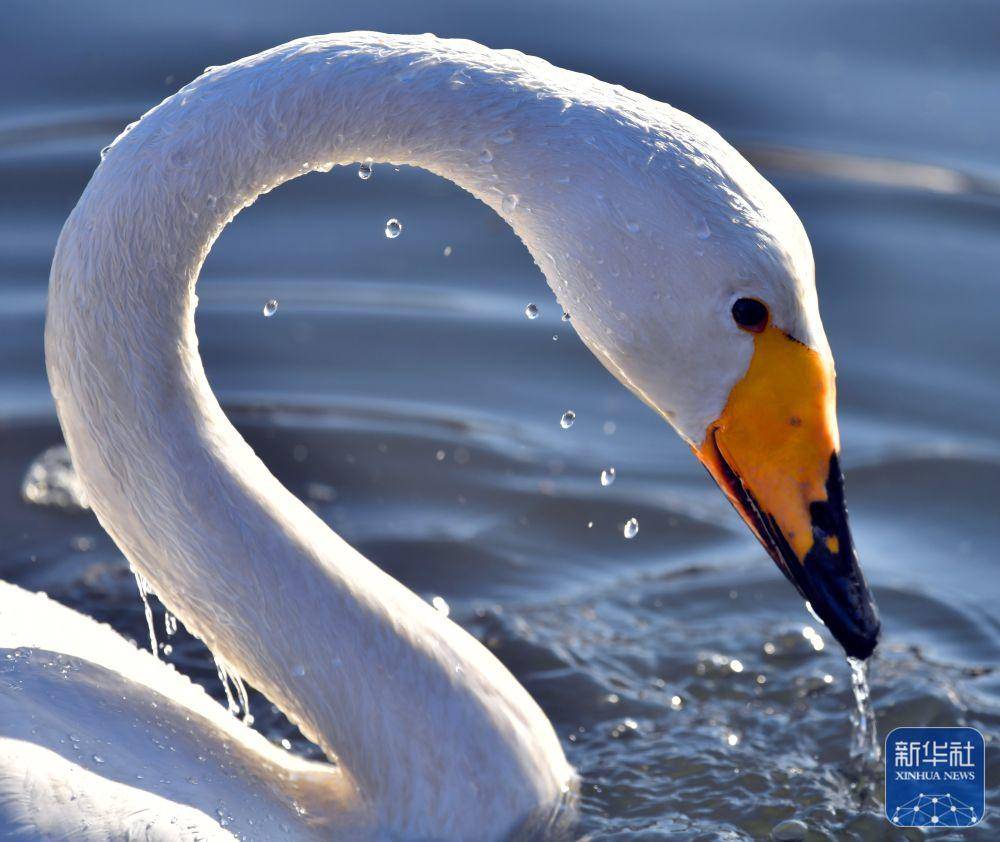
699, 294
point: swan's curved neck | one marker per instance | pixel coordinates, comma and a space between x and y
422, 717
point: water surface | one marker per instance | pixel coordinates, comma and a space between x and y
405, 395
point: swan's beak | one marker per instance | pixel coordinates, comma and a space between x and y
774, 452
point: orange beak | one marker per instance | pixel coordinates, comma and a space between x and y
774, 452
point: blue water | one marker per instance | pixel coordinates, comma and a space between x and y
406, 396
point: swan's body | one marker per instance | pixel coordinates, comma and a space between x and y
644, 222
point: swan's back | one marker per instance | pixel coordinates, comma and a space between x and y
99, 740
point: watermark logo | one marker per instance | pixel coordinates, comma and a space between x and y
935, 777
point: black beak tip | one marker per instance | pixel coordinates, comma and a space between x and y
831, 578
859, 640
862, 647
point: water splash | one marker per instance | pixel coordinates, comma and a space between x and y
865, 747
144, 594
51, 480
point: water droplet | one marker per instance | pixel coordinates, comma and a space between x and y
732, 739
144, 593
607, 476
168, 649
393, 228
531, 311
485, 156
365, 170
567, 420
565, 317
631, 528
555, 337
447, 251
441, 605
286, 744
98, 758
509, 203
270, 308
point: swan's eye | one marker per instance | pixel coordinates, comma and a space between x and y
750, 314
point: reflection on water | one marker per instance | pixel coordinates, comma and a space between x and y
400, 390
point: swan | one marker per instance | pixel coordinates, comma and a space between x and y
686, 274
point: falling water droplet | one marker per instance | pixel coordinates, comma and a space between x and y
607, 476
531, 311
631, 528
447, 251
241, 700
509, 203
144, 593
270, 308
865, 746
567, 419
393, 228
224, 677
365, 170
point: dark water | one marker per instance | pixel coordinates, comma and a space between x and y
407, 397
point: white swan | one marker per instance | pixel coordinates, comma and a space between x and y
686, 274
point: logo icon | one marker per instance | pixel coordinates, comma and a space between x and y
935, 777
